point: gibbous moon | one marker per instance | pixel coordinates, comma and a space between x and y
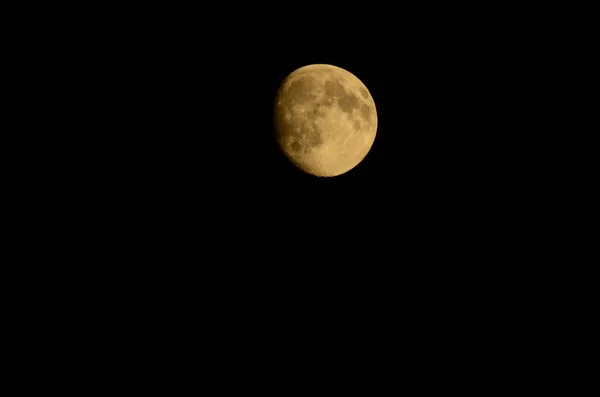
325, 119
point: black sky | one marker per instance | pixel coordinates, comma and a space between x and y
183, 198
181, 217
191, 104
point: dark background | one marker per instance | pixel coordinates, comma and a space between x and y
187, 99
181, 214
176, 160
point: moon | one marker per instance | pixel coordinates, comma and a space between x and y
325, 119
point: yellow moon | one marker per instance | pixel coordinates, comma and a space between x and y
325, 119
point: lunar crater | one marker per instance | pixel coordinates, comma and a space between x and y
348, 103
366, 111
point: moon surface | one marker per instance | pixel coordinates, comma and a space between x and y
325, 119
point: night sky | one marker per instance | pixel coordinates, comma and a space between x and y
199, 224
441, 105
196, 156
